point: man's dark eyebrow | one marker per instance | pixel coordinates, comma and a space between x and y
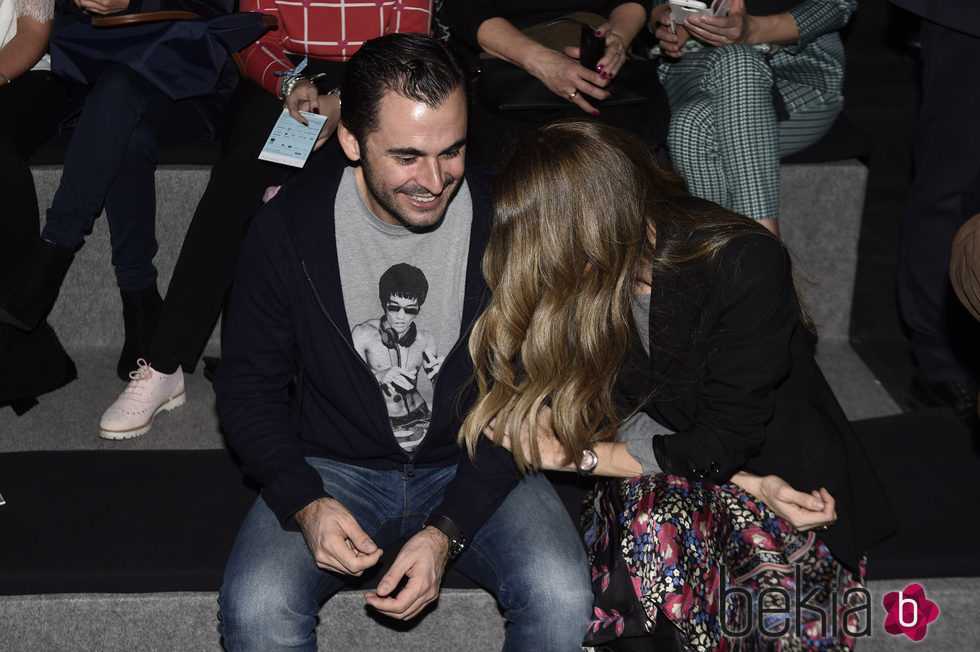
405, 151
411, 151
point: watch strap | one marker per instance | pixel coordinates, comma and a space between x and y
446, 525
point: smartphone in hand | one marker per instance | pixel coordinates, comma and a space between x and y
591, 48
680, 9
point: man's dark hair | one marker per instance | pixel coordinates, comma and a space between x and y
403, 281
416, 66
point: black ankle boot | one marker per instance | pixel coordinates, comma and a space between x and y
32, 296
141, 312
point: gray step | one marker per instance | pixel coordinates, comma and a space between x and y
463, 620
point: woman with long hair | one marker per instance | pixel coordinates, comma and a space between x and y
656, 338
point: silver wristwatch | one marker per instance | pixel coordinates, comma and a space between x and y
589, 461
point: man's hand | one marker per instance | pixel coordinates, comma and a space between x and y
103, 7
423, 561
305, 97
336, 540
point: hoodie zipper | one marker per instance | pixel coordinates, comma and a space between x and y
343, 337
384, 408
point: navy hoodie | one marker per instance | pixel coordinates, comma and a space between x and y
291, 385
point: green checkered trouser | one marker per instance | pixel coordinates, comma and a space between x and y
724, 138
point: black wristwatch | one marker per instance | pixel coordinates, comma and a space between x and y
446, 525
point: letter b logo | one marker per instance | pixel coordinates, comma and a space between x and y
903, 609
909, 612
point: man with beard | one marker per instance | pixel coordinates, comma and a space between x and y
308, 417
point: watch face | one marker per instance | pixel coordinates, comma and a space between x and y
589, 461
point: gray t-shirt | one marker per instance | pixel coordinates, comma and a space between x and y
638, 431
403, 293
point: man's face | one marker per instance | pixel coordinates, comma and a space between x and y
411, 166
401, 312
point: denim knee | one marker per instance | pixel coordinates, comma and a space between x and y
541, 569
551, 604
256, 613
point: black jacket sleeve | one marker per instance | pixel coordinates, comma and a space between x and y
258, 364
750, 316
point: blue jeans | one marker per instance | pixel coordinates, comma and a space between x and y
528, 554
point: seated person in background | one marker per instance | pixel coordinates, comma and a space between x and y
30, 109
748, 90
725, 364
338, 485
492, 28
326, 33
110, 162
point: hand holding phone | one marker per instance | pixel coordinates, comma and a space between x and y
681, 9
591, 48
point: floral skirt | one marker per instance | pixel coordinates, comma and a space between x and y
722, 566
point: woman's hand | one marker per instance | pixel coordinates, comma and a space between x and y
558, 71
305, 97
566, 78
721, 30
804, 511
615, 55
103, 7
671, 42
739, 27
552, 453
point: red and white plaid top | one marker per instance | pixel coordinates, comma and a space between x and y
325, 30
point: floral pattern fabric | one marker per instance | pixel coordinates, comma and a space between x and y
702, 555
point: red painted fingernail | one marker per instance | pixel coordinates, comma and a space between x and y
611, 75
595, 113
603, 75
599, 67
598, 32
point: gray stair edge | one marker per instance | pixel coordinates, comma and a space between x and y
465, 619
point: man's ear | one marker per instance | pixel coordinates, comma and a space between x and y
348, 142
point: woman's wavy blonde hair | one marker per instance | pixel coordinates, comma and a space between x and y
577, 209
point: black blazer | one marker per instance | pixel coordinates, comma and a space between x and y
961, 15
733, 375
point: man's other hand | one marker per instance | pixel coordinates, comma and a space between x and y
422, 561
336, 540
